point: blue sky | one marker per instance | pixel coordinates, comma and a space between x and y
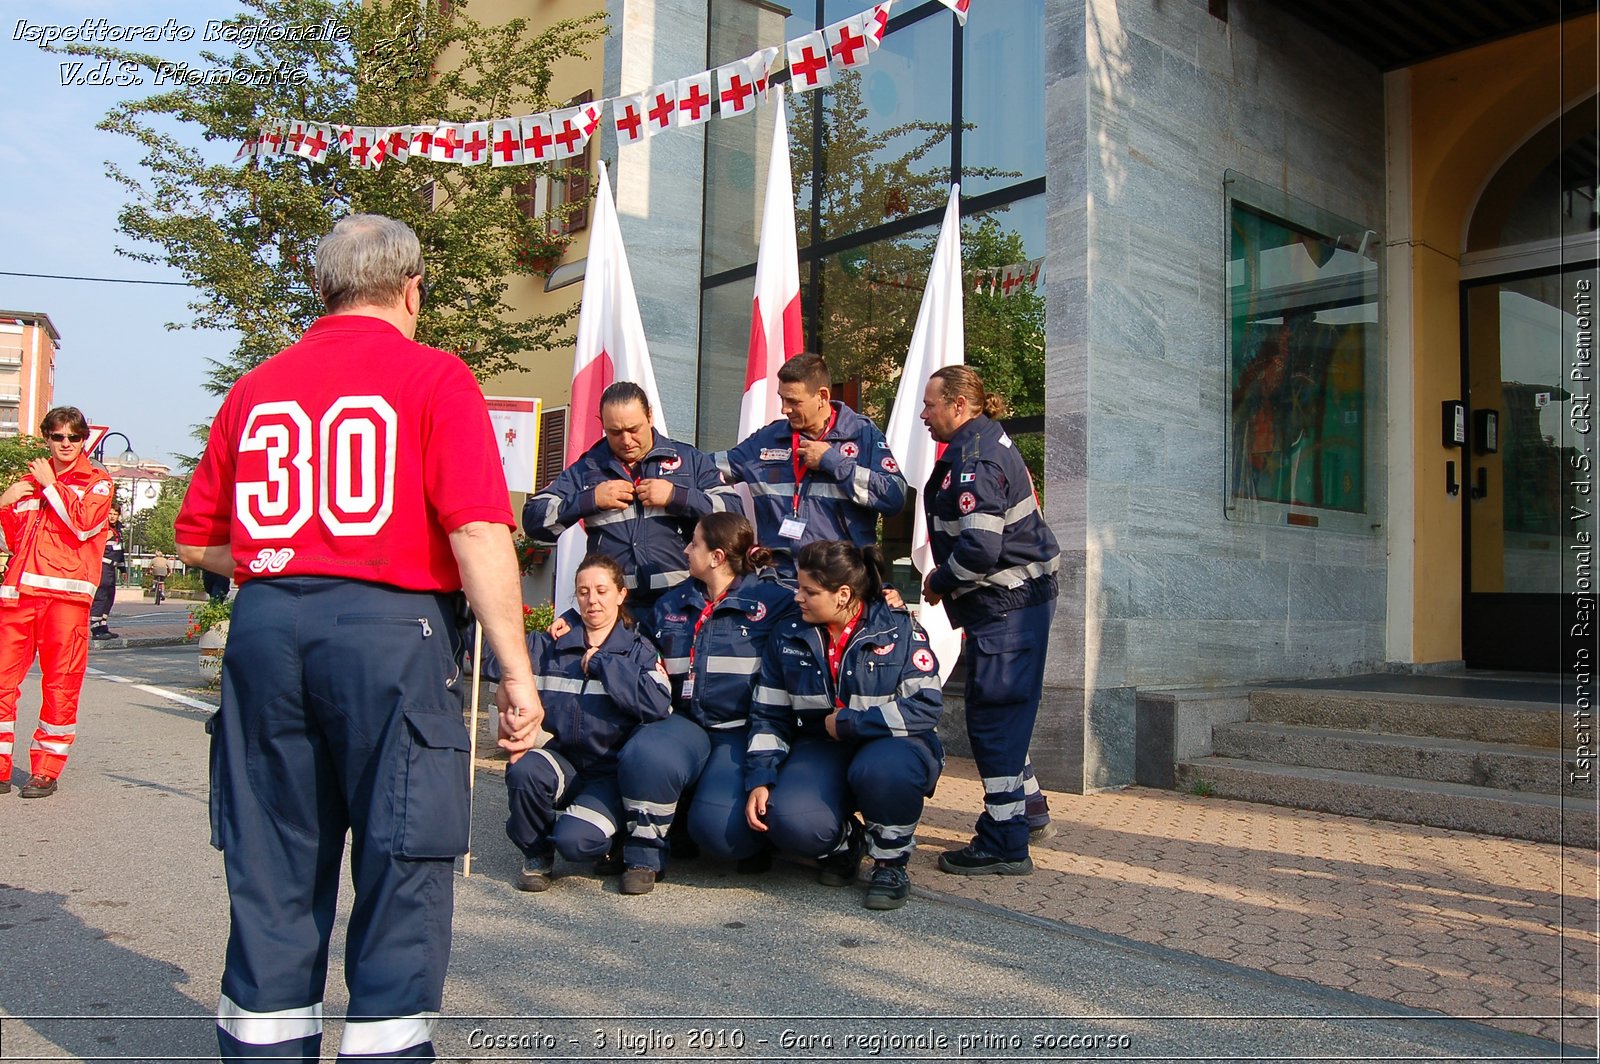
117, 361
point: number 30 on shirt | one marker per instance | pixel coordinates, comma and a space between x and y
343, 467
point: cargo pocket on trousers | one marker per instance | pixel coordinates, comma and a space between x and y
1002, 666
214, 772
434, 814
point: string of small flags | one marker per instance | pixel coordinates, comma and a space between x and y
1000, 281
728, 91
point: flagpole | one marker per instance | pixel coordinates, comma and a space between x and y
472, 744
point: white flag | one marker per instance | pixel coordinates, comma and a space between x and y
505, 142
775, 328
808, 63
736, 90
938, 340
694, 99
627, 118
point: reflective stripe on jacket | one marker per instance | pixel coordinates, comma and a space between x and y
56, 536
592, 714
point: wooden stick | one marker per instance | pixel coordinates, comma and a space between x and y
472, 766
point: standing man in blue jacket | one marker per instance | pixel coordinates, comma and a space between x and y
995, 563
821, 472
638, 494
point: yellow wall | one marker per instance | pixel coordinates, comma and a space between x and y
1469, 111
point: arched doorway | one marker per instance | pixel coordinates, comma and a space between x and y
1529, 285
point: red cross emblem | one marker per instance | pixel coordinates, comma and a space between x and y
880, 23
628, 122
422, 142
848, 45
962, 5
967, 503
849, 450
735, 95
946, 483
673, 464
360, 150
297, 136
660, 115
275, 139
477, 145
507, 146
885, 650
536, 138
448, 144
569, 137
695, 102
380, 151
399, 141
511, 436
1009, 285
922, 658
591, 118
346, 134
758, 613
809, 65
890, 465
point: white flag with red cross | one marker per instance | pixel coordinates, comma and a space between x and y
775, 329
319, 138
661, 108
959, 7
505, 142
380, 148
694, 99
361, 141
295, 137
736, 90
847, 42
610, 346
447, 140
877, 24
937, 340
573, 127
760, 66
343, 137
474, 144
627, 118
538, 139
422, 141
271, 140
247, 150
808, 63
398, 139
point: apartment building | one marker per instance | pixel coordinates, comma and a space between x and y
28, 345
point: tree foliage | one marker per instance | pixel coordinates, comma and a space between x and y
15, 454
152, 529
245, 235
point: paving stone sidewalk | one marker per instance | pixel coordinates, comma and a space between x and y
1496, 930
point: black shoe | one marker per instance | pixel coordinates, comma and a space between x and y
755, 864
891, 885
839, 868
534, 875
611, 864
5, 786
969, 861
38, 787
103, 633
1039, 826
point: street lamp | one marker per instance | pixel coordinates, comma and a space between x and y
129, 458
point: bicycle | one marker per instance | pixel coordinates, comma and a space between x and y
159, 584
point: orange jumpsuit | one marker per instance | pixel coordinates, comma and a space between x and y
56, 537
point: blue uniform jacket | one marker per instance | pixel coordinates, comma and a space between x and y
888, 686
727, 654
857, 479
992, 551
591, 716
648, 541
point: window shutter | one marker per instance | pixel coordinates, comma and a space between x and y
552, 447
577, 190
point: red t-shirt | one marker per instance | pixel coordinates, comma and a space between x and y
355, 453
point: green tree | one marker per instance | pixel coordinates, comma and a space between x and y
244, 235
152, 528
15, 454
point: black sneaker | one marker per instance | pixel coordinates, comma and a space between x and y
839, 868
891, 885
103, 633
969, 861
534, 876
38, 787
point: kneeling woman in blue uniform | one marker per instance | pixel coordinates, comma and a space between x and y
712, 630
843, 719
599, 681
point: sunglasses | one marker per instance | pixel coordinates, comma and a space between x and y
422, 287
63, 437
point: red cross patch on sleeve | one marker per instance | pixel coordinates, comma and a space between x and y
849, 450
890, 465
922, 658
968, 502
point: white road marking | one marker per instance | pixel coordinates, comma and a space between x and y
182, 700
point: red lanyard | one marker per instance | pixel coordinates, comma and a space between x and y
837, 648
698, 624
800, 469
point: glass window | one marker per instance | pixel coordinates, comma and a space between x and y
1546, 190
1303, 328
1002, 105
724, 353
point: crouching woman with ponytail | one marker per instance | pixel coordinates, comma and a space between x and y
843, 720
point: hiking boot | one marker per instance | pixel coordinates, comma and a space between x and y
891, 885
638, 880
5, 786
534, 876
611, 864
839, 868
970, 861
38, 787
103, 633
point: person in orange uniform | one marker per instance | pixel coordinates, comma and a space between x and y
54, 523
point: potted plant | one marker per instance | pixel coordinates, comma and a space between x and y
530, 553
538, 250
208, 623
538, 618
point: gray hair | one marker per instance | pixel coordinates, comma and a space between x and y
366, 260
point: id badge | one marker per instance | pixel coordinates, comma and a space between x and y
792, 528
688, 686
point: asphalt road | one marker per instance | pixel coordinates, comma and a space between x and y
113, 914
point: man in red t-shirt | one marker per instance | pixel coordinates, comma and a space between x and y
53, 521
352, 485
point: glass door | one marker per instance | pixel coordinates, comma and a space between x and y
1527, 469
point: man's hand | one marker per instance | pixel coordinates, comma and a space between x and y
929, 595
614, 494
42, 471
521, 713
16, 493
655, 492
831, 723
755, 809
811, 452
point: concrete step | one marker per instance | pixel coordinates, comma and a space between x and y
1484, 810
1502, 766
1475, 720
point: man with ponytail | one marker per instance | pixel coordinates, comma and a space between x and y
995, 565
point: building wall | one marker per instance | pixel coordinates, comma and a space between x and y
27, 371
1148, 103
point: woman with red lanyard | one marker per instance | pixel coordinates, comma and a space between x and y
843, 720
54, 524
712, 630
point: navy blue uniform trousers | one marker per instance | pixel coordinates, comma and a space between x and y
1005, 679
554, 807
667, 759
821, 783
341, 710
